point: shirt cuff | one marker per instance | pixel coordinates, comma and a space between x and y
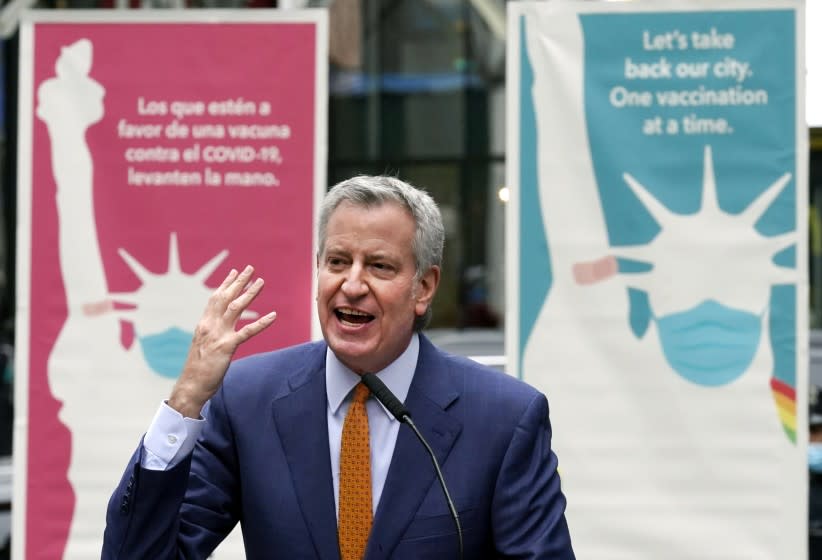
170, 438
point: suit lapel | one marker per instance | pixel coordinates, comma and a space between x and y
411, 472
300, 409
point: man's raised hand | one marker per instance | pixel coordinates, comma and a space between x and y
216, 338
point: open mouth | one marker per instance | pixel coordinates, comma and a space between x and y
353, 316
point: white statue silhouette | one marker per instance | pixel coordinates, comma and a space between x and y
109, 392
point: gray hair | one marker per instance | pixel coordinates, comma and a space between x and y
372, 191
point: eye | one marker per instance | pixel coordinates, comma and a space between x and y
382, 268
335, 262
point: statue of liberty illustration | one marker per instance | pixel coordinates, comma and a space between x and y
109, 391
651, 410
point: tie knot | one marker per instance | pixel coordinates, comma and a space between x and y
361, 393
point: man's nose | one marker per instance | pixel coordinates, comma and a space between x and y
354, 284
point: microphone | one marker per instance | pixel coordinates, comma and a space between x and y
386, 397
401, 413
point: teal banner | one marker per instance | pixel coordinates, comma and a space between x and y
657, 286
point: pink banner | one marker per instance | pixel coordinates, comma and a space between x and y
162, 156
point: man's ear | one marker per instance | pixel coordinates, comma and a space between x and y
426, 288
317, 279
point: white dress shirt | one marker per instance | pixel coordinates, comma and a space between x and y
171, 437
382, 426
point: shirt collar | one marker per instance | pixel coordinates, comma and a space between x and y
339, 380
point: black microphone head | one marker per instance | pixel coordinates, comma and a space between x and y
385, 396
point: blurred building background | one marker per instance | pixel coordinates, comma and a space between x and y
417, 90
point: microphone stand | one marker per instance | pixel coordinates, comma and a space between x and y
395, 407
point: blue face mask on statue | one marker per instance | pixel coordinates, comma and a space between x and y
710, 344
166, 352
815, 457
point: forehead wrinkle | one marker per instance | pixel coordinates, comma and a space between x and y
374, 246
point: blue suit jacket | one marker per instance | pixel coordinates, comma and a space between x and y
263, 460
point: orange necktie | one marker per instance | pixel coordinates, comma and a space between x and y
355, 479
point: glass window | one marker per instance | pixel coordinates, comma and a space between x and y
815, 228
422, 100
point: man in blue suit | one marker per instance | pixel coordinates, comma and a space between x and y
260, 442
